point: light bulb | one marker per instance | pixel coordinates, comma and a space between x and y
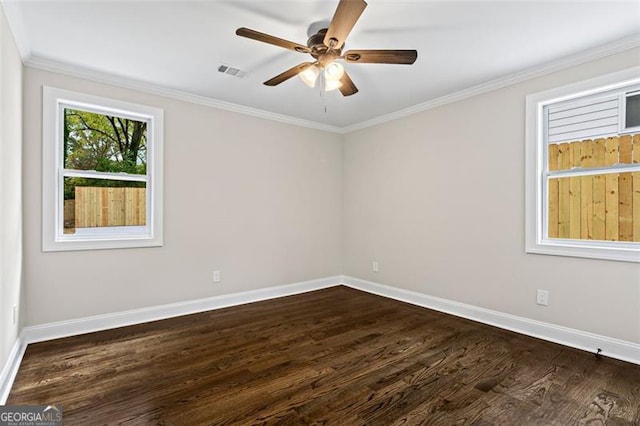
332, 85
310, 75
333, 71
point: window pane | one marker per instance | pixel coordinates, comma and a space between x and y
589, 153
104, 143
632, 118
596, 207
104, 207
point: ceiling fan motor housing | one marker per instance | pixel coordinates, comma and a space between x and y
325, 45
323, 53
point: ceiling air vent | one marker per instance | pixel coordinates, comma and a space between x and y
236, 72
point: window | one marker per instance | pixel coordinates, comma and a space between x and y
583, 169
102, 173
631, 102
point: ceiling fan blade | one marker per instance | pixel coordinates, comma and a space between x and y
347, 88
266, 38
291, 72
406, 57
345, 17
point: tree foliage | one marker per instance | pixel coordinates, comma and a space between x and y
103, 143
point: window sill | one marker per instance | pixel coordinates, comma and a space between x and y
71, 243
623, 252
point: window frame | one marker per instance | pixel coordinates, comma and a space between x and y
55, 100
536, 175
623, 112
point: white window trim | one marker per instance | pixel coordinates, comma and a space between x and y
53, 238
535, 215
623, 113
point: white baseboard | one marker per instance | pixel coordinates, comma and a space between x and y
56, 330
10, 368
613, 348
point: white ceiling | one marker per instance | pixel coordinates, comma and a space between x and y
180, 44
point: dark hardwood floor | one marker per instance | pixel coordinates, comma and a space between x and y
335, 356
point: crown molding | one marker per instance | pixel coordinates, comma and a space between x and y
153, 89
599, 52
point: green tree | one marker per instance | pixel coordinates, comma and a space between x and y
103, 143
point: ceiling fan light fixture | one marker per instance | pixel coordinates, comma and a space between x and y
333, 71
310, 75
325, 45
330, 85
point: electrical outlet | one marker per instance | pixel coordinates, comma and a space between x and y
375, 267
216, 276
542, 297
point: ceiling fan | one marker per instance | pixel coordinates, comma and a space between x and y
326, 48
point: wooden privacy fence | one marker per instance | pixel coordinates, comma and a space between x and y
101, 206
596, 207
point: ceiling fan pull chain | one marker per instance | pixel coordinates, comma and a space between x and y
323, 94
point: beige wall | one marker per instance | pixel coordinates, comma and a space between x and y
437, 199
256, 199
10, 188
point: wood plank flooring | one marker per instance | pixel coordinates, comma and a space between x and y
336, 356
